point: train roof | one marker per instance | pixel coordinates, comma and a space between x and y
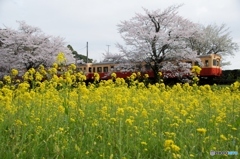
113, 63
209, 55
99, 63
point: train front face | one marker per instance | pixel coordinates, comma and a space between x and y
211, 65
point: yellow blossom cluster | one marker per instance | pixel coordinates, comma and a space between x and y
61, 59
196, 70
202, 131
51, 115
114, 76
96, 77
14, 72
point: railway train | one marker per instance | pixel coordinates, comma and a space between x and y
211, 68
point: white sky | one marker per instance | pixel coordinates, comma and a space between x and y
94, 21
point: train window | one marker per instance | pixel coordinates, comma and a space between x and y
105, 69
93, 69
84, 68
196, 63
148, 67
218, 63
214, 62
206, 62
138, 67
99, 69
112, 68
89, 69
189, 62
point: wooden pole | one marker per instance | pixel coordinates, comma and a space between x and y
87, 52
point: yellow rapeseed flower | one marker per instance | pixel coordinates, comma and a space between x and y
223, 137
18, 122
32, 71
61, 129
196, 70
55, 65
144, 113
77, 148
114, 75
73, 67
96, 77
52, 71
81, 112
120, 111
129, 121
61, 59
72, 119
61, 109
39, 129
175, 148
168, 143
38, 76
184, 112
1, 83
201, 131
191, 155
146, 75
14, 72
7, 79
177, 156
160, 74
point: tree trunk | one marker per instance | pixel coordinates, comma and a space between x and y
157, 77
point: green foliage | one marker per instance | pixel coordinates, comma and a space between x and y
79, 56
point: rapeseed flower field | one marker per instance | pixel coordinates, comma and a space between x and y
50, 116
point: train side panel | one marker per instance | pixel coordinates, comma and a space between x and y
208, 72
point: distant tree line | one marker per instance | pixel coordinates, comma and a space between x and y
79, 56
228, 77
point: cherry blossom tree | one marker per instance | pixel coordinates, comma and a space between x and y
116, 58
214, 39
159, 36
28, 48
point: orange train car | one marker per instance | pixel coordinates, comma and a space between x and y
211, 65
211, 68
